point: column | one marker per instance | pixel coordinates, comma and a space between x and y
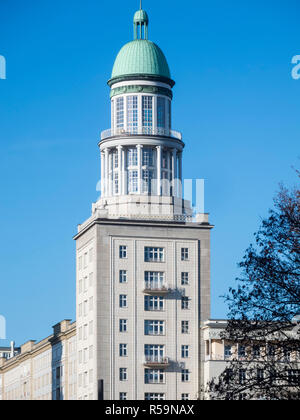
120, 172
106, 172
174, 172
102, 175
158, 169
124, 172
139, 159
110, 174
180, 174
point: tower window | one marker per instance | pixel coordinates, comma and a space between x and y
120, 113
154, 376
185, 375
154, 327
184, 279
123, 325
185, 302
147, 181
123, 301
184, 254
154, 303
123, 276
161, 112
133, 181
123, 396
147, 114
132, 114
184, 351
154, 396
123, 350
184, 327
153, 254
147, 157
123, 374
132, 157
123, 251
116, 183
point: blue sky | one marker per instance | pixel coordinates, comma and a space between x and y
235, 102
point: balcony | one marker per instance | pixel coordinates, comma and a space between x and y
141, 131
156, 361
156, 288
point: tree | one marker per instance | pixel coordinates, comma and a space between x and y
264, 316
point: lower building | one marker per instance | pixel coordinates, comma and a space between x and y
42, 371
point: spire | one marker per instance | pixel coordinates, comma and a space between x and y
140, 23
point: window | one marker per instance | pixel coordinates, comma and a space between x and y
154, 353
80, 286
161, 112
91, 328
242, 376
132, 114
132, 157
123, 276
185, 302
147, 156
112, 114
153, 303
185, 375
147, 181
123, 325
123, 251
184, 254
242, 351
91, 303
154, 327
123, 396
170, 115
123, 374
184, 327
154, 280
154, 376
154, 396
256, 351
184, 351
91, 280
116, 183
184, 279
123, 301
120, 113
147, 114
153, 254
123, 350
185, 397
227, 351
132, 181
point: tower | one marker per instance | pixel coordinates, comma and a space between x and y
143, 270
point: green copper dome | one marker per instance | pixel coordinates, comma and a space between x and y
141, 57
140, 16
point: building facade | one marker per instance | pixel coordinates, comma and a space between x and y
143, 263
42, 371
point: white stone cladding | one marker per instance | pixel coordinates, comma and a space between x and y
107, 236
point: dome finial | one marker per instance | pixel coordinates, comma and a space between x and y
140, 22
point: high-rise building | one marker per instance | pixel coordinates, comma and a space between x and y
143, 261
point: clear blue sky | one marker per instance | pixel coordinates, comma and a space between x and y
235, 102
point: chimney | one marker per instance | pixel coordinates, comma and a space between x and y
12, 349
